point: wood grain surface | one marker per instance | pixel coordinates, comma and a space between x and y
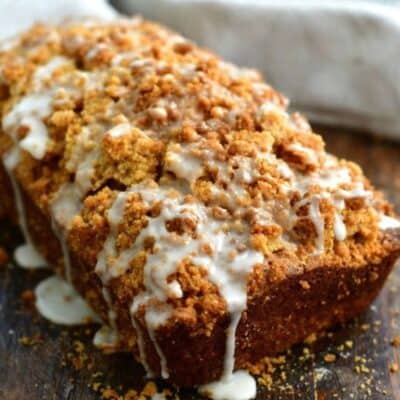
39, 360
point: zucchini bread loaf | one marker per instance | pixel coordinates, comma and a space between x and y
206, 225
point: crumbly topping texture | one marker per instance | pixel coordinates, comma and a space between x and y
183, 178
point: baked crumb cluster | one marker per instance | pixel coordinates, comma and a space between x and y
181, 179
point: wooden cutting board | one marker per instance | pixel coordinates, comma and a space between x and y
39, 360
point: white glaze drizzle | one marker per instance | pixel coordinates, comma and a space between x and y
386, 222
156, 317
121, 57
339, 227
120, 130
29, 112
36, 141
141, 347
114, 217
106, 271
240, 386
270, 108
177, 156
106, 338
330, 180
227, 268
319, 223
26, 255
112, 315
45, 72
95, 50
310, 154
64, 207
70, 195
58, 301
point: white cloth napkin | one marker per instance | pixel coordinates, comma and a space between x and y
338, 61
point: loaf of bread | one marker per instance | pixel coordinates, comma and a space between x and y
206, 225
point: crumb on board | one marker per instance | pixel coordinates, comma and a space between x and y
78, 357
311, 339
394, 367
305, 285
395, 342
31, 340
365, 327
349, 344
150, 389
330, 358
28, 297
272, 372
108, 393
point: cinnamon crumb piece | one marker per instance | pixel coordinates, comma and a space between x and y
31, 340
330, 358
364, 369
311, 339
305, 285
349, 344
78, 346
394, 367
150, 389
96, 386
131, 395
28, 297
78, 357
396, 341
110, 394
365, 327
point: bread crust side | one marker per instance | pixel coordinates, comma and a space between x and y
287, 314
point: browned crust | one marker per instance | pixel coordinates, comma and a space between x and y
282, 314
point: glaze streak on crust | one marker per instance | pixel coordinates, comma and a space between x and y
175, 181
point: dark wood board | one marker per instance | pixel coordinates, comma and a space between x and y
362, 348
